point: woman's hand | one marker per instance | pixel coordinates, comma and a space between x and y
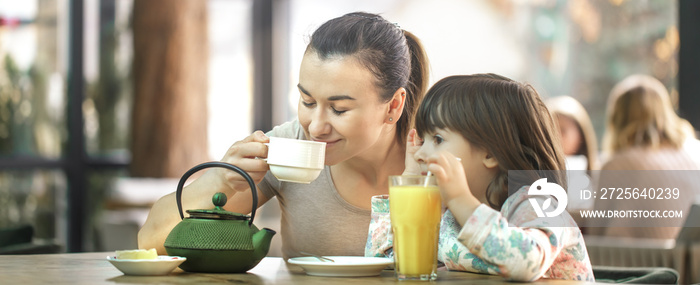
413, 144
246, 155
454, 188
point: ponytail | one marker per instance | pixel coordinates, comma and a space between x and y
417, 84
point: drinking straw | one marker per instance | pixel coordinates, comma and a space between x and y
427, 178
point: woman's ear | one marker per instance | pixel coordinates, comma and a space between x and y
490, 161
396, 105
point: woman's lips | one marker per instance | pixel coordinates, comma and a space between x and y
328, 143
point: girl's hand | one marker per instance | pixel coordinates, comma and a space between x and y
246, 155
454, 188
413, 144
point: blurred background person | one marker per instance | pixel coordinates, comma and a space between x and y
643, 132
580, 146
578, 137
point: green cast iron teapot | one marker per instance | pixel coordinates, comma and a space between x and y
216, 240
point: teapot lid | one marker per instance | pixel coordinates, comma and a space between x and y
218, 213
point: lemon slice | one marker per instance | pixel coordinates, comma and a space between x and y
137, 254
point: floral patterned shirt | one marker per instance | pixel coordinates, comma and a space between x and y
512, 243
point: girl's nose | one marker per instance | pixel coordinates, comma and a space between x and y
420, 155
319, 126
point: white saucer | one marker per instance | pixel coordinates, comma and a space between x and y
350, 266
161, 266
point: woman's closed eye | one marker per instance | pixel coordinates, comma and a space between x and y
308, 104
312, 104
338, 112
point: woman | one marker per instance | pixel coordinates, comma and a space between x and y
360, 81
644, 133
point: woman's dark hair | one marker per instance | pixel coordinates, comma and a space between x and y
504, 117
395, 57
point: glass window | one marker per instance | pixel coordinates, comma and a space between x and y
107, 65
36, 198
108, 55
99, 219
32, 78
230, 70
582, 48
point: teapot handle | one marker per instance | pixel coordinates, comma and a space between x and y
178, 194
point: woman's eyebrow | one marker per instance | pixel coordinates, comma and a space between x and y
340, 97
332, 98
303, 90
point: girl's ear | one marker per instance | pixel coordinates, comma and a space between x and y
396, 105
490, 161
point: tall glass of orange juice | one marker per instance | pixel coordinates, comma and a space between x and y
415, 206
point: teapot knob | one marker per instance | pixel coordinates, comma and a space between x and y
219, 200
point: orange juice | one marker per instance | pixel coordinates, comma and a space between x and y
415, 219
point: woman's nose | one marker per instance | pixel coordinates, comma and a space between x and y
319, 125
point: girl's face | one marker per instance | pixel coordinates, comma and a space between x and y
340, 105
472, 158
570, 135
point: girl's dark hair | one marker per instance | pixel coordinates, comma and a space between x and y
504, 117
395, 57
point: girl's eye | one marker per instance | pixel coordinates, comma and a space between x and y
437, 139
308, 105
337, 112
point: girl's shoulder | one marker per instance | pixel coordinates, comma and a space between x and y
519, 209
515, 199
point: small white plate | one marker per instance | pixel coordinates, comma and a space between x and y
144, 267
349, 266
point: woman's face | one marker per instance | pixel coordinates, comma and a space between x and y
339, 104
571, 139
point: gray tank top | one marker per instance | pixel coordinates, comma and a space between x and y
315, 218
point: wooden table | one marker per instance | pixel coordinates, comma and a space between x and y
93, 268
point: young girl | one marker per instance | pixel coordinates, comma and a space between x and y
473, 130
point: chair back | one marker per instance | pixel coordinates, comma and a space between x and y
635, 275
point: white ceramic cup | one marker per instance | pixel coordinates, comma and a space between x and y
293, 160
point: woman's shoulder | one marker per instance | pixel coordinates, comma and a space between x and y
639, 158
291, 129
633, 158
